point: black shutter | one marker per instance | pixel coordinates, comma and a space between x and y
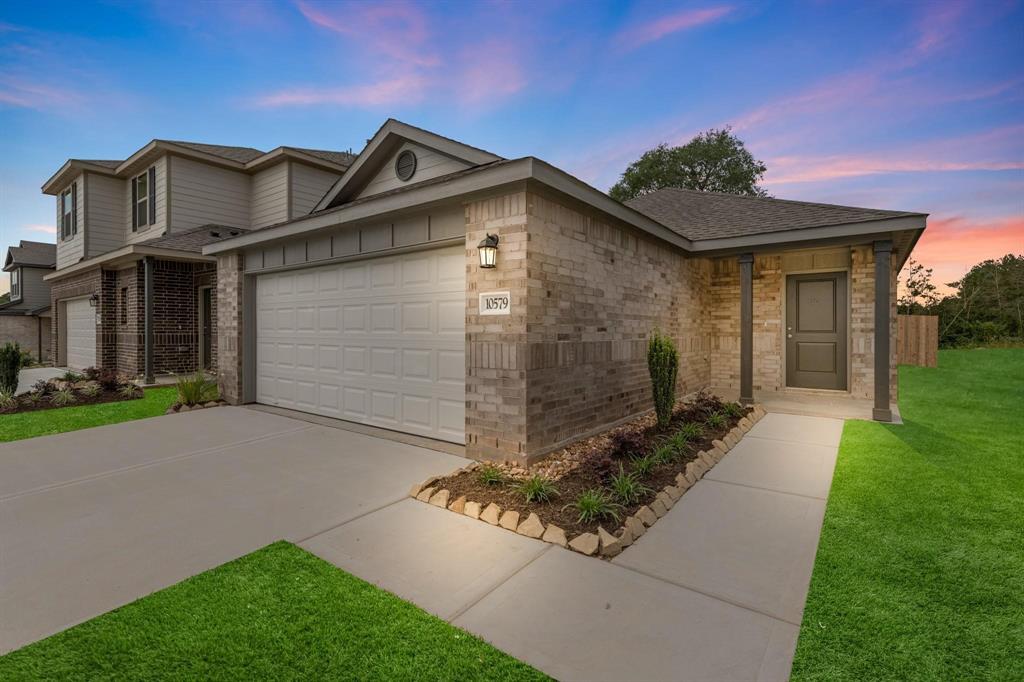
135, 204
74, 208
152, 194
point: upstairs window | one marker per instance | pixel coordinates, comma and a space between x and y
15, 284
144, 199
69, 212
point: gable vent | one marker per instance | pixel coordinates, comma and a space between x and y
405, 165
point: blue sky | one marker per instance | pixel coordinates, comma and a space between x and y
916, 106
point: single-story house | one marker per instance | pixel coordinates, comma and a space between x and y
25, 318
442, 290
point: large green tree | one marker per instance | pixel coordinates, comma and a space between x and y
714, 161
988, 304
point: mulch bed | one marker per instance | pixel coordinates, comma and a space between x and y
587, 464
44, 402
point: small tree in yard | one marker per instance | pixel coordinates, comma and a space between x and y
10, 366
663, 365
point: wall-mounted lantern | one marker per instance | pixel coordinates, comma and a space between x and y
94, 300
488, 251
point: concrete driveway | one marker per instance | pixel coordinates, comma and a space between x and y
29, 376
94, 519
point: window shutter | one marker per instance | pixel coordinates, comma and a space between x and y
74, 208
152, 194
135, 204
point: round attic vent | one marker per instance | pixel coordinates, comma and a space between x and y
405, 165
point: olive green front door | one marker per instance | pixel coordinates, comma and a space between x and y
816, 330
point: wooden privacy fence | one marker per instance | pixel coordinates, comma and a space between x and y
917, 340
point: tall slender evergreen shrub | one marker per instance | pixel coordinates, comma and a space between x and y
663, 365
10, 366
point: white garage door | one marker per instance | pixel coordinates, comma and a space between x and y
80, 325
378, 341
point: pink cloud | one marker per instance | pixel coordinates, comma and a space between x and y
29, 94
492, 70
952, 245
638, 35
409, 88
44, 229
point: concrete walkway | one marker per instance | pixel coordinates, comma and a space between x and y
31, 375
715, 591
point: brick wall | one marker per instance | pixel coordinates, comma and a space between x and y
862, 325
130, 348
230, 279
25, 331
83, 284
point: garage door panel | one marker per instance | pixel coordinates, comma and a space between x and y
380, 342
80, 328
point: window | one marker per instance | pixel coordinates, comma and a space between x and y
124, 305
68, 212
144, 199
15, 284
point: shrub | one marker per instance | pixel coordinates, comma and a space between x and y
663, 366
488, 474
715, 420
627, 444
665, 453
706, 403
91, 373
33, 397
7, 401
733, 409
90, 390
196, 389
690, 431
536, 489
10, 367
129, 391
627, 488
64, 396
27, 359
643, 466
71, 376
593, 505
44, 387
108, 379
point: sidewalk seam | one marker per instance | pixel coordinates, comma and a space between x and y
767, 490
460, 612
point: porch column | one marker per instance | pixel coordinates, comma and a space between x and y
746, 262
883, 265
147, 334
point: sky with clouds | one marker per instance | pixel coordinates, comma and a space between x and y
900, 105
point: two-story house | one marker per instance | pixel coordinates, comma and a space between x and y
25, 319
132, 290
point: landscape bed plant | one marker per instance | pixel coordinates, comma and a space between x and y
91, 387
598, 482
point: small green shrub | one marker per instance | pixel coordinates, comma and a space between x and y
10, 367
593, 505
488, 474
43, 386
108, 379
26, 359
33, 397
663, 366
129, 391
90, 390
7, 400
627, 488
690, 431
63, 397
536, 488
196, 389
71, 376
643, 466
715, 420
665, 453
733, 409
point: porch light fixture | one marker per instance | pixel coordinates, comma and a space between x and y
94, 300
488, 251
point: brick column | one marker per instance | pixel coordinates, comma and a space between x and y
230, 280
746, 262
883, 324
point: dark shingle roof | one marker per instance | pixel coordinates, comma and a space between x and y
106, 163
710, 215
240, 154
195, 239
39, 254
340, 158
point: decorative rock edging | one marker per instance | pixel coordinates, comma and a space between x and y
177, 407
602, 543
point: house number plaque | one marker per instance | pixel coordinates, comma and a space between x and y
496, 303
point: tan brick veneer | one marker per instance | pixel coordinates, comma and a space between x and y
230, 279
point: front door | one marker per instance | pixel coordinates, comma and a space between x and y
816, 330
206, 327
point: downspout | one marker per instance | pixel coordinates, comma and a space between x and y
147, 333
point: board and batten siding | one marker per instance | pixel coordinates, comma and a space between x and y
71, 250
159, 226
308, 187
104, 206
429, 164
270, 196
202, 194
421, 228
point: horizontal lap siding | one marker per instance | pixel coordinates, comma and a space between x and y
270, 196
429, 164
105, 205
202, 194
308, 187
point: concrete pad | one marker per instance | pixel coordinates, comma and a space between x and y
577, 618
36, 463
29, 376
799, 429
440, 560
750, 547
74, 551
783, 466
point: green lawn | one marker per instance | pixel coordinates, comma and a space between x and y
47, 422
920, 570
278, 613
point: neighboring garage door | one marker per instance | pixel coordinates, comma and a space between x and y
379, 341
80, 324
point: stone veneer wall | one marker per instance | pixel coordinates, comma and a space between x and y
230, 280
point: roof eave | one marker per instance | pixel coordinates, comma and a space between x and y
127, 254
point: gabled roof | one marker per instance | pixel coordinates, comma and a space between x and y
340, 158
31, 254
384, 142
712, 215
195, 239
239, 154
